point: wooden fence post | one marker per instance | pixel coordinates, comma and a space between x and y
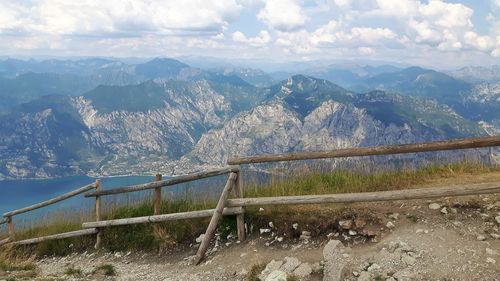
157, 198
98, 214
209, 234
10, 226
240, 218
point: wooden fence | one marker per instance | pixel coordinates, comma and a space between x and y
236, 206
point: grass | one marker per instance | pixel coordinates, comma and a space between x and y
164, 235
253, 274
106, 270
71, 271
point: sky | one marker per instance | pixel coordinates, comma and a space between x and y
435, 33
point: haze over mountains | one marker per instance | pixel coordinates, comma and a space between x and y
106, 117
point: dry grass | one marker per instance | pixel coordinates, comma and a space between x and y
147, 237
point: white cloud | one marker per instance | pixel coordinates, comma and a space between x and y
262, 39
283, 15
127, 17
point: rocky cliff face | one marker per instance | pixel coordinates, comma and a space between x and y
177, 126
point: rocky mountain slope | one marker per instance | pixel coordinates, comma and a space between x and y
173, 118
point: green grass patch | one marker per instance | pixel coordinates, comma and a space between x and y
71, 271
106, 270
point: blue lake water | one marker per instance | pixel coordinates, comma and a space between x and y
16, 194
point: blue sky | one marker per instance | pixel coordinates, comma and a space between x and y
434, 33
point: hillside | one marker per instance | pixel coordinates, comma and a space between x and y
166, 116
454, 238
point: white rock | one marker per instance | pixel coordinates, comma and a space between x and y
271, 224
390, 224
491, 252
345, 224
365, 276
264, 230
276, 275
408, 260
481, 237
373, 267
331, 248
444, 210
290, 264
261, 209
434, 206
352, 232
497, 218
490, 260
393, 216
303, 270
419, 231
200, 238
270, 267
295, 226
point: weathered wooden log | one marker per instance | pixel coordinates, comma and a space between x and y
157, 198
56, 236
240, 219
212, 226
51, 201
369, 151
10, 229
171, 181
5, 241
98, 237
162, 218
407, 194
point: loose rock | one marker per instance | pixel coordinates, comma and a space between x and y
434, 206
276, 275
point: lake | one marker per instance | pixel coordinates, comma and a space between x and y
17, 194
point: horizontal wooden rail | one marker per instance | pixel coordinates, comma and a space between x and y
4, 241
51, 201
407, 194
162, 218
168, 182
56, 236
374, 150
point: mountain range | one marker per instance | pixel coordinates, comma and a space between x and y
106, 117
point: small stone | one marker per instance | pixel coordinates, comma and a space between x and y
264, 230
434, 206
289, 264
261, 209
408, 260
481, 237
345, 224
276, 275
393, 216
352, 232
491, 252
200, 238
490, 260
271, 224
419, 231
373, 267
444, 210
365, 276
497, 218
390, 224
279, 239
306, 233
391, 279
295, 226
495, 236
303, 270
